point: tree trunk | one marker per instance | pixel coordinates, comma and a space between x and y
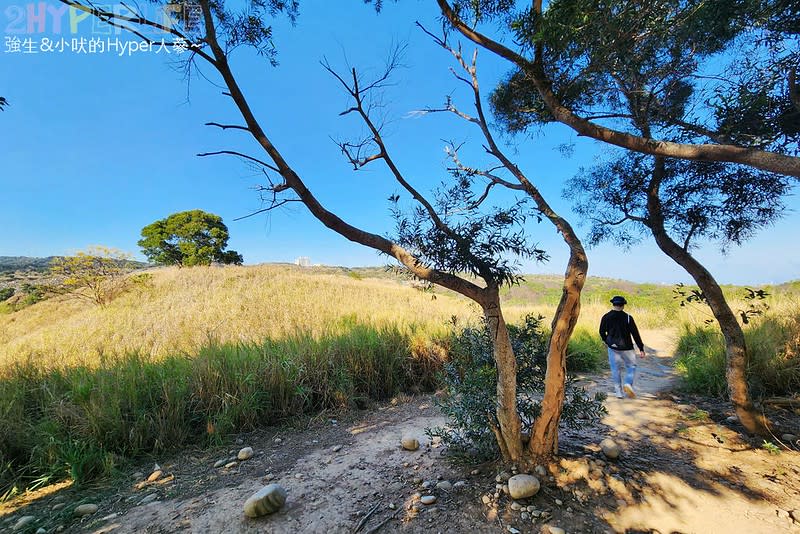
544, 436
508, 434
735, 348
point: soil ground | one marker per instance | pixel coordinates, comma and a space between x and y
684, 468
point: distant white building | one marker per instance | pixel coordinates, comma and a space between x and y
303, 261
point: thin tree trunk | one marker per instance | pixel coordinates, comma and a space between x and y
735, 347
544, 436
509, 435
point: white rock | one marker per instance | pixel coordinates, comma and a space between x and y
41, 530
475, 472
460, 485
85, 509
231, 464
409, 442
732, 419
267, 500
559, 502
516, 506
486, 499
444, 485
540, 470
428, 499
245, 454
505, 489
512, 530
148, 499
523, 486
220, 463
337, 448
557, 530
610, 448
23, 522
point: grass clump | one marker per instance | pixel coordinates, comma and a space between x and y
773, 343
81, 422
586, 352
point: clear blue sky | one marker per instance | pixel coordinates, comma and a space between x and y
96, 146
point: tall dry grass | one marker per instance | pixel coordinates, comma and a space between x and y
181, 310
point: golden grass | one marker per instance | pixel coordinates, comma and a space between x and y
180, 310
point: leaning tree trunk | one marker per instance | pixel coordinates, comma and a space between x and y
544, 436
508, 432
735, 347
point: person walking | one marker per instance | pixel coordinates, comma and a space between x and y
616, 329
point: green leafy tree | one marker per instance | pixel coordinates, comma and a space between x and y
98, 274
716, 79
188, 238
697, 85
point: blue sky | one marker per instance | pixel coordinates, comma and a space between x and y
96, 146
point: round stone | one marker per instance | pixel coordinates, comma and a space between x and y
540, 470
444, 485
523, 486
428, 499
220, 463
267, 500
245, 454
85, 509
409, 442
610, 448
557, 530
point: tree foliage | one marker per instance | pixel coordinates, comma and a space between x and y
486, 243
99, 274
699, 200
188, 238
695, 70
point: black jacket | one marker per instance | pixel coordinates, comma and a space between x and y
618, 325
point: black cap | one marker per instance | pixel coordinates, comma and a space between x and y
618, 300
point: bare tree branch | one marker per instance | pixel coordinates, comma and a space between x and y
239, 154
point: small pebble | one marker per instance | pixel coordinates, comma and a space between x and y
150, 498
559, 502
85, 509
155, 475
409, 442
338, 448
23, 522
245, 454
220, 463
557, 530
512, 530
428, 499
444, 485
231, 464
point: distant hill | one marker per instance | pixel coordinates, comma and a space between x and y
24, 263
40, 265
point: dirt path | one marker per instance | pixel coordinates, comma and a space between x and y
680, 471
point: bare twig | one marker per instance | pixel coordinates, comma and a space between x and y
366, 517
377, 527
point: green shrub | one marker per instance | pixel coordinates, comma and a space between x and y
470, 381
774, 348
6, 293
586, 352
